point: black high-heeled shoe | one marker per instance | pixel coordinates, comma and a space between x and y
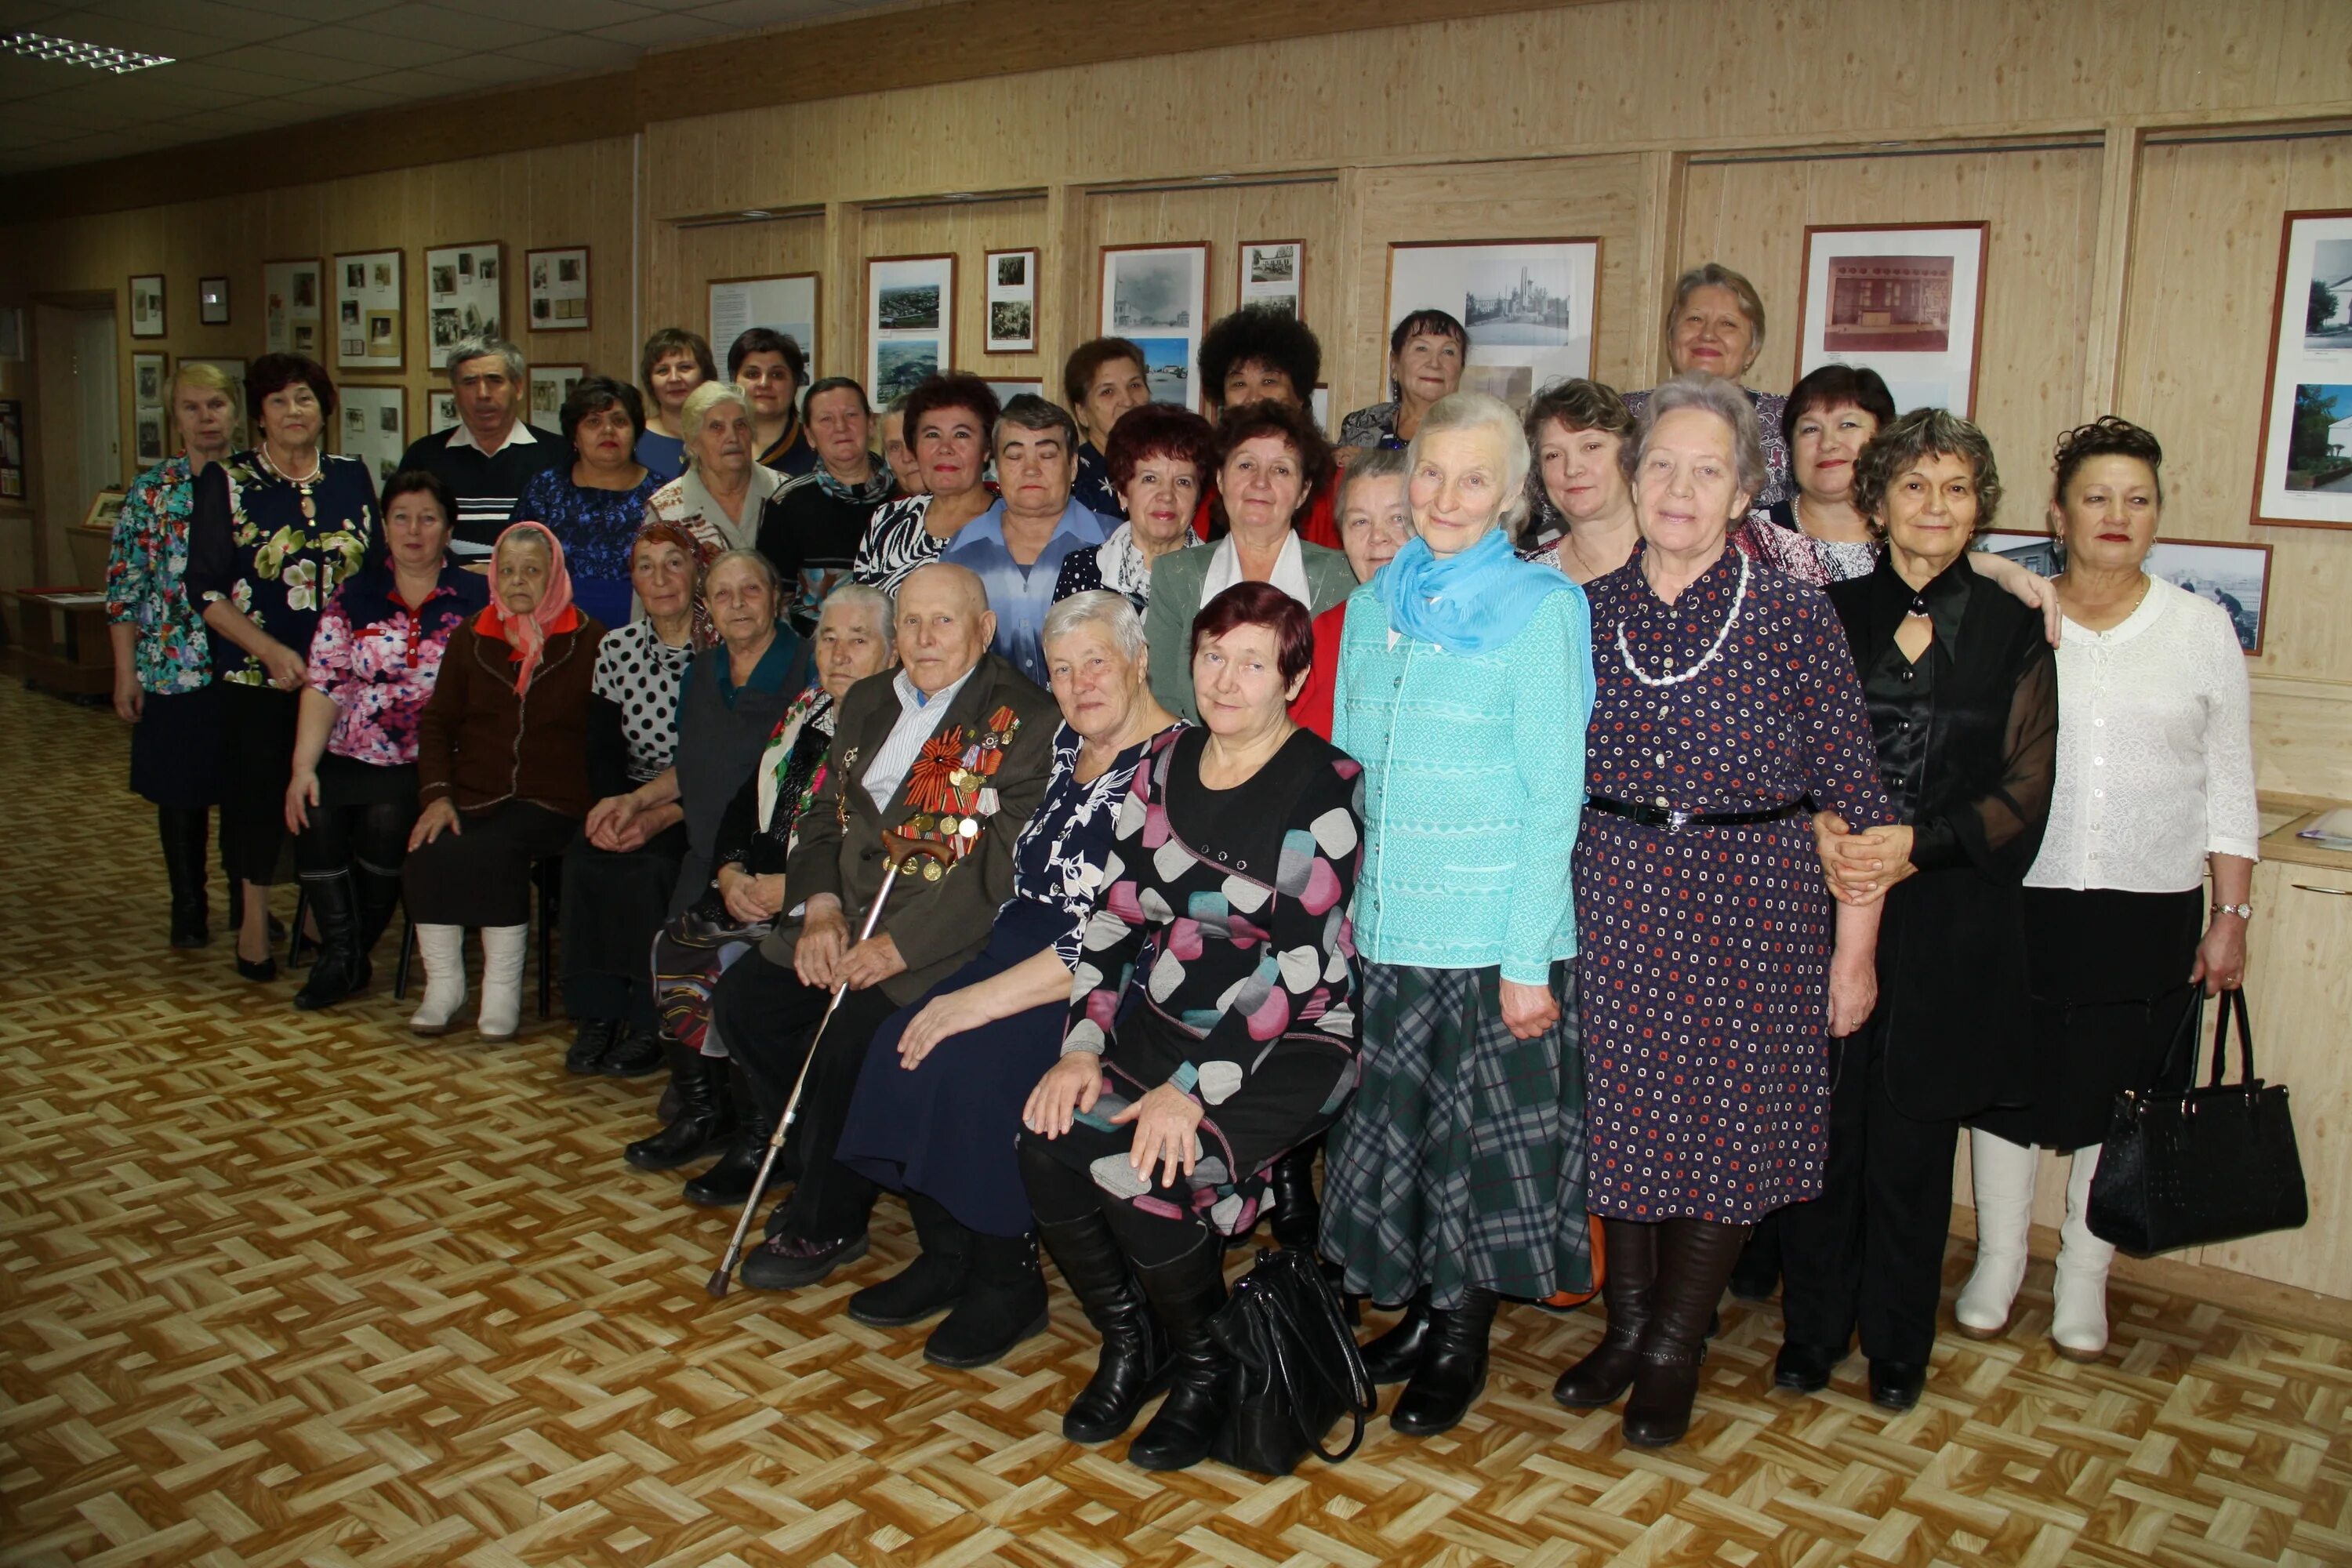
261, 972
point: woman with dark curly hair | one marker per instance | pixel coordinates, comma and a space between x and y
1159, 463
1259, 356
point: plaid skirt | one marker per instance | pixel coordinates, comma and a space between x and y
1460, 1162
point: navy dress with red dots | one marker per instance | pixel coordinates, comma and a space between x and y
1703, 953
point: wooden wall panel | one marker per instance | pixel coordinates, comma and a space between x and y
681, 262
968, 231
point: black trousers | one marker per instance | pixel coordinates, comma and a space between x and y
1060, 1194
613, 906
256, 726
480, 874
768, 1018
361, 822
1869, 1252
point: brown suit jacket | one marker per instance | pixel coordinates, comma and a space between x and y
937, 926
478, 745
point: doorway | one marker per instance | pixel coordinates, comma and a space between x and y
78, 427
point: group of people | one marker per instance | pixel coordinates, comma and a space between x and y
1644, 821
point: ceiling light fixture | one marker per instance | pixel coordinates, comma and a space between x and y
67, 52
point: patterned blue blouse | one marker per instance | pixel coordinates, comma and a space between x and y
1058, 860
144, 586
596, 528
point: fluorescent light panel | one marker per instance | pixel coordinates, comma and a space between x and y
67, 52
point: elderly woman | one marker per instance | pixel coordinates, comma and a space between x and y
1818, 533
1375, 522
1271, 457
596, 503
1157, 463
618, 875
898, 453
673, 363
275, 530
1427, 349
1963, 698
373, 660
721, 496
772, 368
1262, 356
1714, 323
1104, 379
1705, 1084
949, 420
813, 527
743, 894
2154, 792
1017, 546
1581, 519
938, 1101
1456, 1175
1200, 1043
162, 660
502, 769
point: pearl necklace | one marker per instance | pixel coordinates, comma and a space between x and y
1625, 651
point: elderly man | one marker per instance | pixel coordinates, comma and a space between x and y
1016, 546
493, 454
932, 771
812, 528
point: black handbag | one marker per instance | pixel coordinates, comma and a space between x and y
1297, 1369
2204, 1165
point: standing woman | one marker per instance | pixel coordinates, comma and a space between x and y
1456, 1175
1583, 435
1716, 324
719, 497
373, 660
1819, 533
675, 362
1158, 461
163, 659
1725, 701
950, 422
898, 453
1375, 510
1104, 379
2154, 792
1426, 353
595, 502
276, 528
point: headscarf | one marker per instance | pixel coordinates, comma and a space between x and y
527, 632
662, 530
1466, 602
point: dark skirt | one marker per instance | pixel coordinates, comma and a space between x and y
2109, 976
175, 749
347, 781
615, 903
947, 1130
256, 729
480, 876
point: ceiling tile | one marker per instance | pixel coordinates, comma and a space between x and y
750, 14
174, 43
380, 51
290, 68
27, 14
467, 72
229, 120
71, 111
573, 52
320, 10
656, 31
442, 25
216, 76
570, 15
207, 18
344, 97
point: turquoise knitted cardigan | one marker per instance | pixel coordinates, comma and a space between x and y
1473, 780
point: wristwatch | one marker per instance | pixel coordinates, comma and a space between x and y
2243, 912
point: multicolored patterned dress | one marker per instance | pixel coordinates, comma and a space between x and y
175, 746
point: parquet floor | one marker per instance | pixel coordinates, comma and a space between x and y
284, 1289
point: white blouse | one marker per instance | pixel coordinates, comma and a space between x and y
2155, 761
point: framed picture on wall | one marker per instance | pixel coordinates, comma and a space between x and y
558, 281
12, 449
148, 374
1273, 275
1528, 303
441, 412
372, 425
1012, 301
465, 288
1010, 387
211, 301
147, 305
367, 326
1904, 300
2237, 577
151, 425
550, 386
785, 304
2304, 477
909, 321
1157, 296
292, 307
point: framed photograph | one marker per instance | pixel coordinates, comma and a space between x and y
1904, 300
785, 304
1010, 387
1012, 301
909, 321
2304, 477
211, 301
1273, 275
11, 332
234, 370
2237, 577
151, 421
12, 449
1528, 304
147, 305
441, 412
1157, 296
558, 284
148, 374
372, 425
550, 386
292, 307
465, 286
367, 331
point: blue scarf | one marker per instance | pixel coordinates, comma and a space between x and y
1470, 603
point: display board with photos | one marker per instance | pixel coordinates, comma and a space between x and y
211, 301
1904, 300
558, 284
1529, 305
239, 432
786, 303
151, 424
1012, 301
550, 386
2236, 577
1273, 275
464, 294
372, 425
1156, 296
367, 326
293, 307
12, 449
147, 305
909, 323
2304, 479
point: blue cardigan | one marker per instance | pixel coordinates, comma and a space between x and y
1473, 780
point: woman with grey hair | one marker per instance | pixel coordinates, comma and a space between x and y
1707, 975
1456, 1173
938, 1101
1715, 324
719, 497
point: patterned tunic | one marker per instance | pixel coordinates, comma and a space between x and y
276, 550
1058, 861
380, 671
1703, 954
896, 543
641, 675
170, 653
597, 528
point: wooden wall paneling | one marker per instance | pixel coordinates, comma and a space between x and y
843, 303
1061, 284
2110, 263
1664, 178
687, 259
965, 231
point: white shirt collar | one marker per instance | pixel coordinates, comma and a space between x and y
912, 700
518, 435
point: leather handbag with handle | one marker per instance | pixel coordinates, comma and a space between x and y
2198, 1166
1297, 1369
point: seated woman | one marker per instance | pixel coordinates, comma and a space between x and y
594, 502
745, 889
373, 660
502, 769
1375, 522
938, 1100
1158, 461
1147, 1143
950, 421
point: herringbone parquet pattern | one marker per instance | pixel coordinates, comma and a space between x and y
282, 1290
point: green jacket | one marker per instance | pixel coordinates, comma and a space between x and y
1176, 580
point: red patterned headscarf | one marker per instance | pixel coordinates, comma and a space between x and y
662, 530
527, 632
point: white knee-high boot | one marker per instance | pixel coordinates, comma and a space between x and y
2078, 1318
442, 949
2002, 1175
502, 956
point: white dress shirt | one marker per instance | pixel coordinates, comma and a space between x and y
918, 716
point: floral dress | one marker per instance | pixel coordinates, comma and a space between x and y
376, 658
276, 549
144, 589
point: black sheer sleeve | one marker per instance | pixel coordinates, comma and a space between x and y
1983, 831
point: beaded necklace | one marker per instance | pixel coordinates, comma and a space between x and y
1625, 651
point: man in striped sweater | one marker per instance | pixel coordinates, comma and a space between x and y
492, 453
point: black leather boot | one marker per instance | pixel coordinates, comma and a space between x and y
1002, 1303
635, 1053
1186, 1294
1453, 1371
1134, 1360
1628, 1271
1695, 1261
592, 1042
729, 1182
1395, 1355
1290, 1190
932, 1283
184, 831
705, 1122
341, 969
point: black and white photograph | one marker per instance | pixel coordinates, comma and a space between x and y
902, 362
1158, 295
1528, 306
147, 379
558, 281
375, 427
462, 279
550, 386
1012, 305
2305, 474
147, 305
908, 307
909, 320
368, 305
1273, 275
447, 331
1011, 269
1010, 320
291, 299
150, 438
1902, 299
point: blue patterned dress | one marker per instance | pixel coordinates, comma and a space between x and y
175, 746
